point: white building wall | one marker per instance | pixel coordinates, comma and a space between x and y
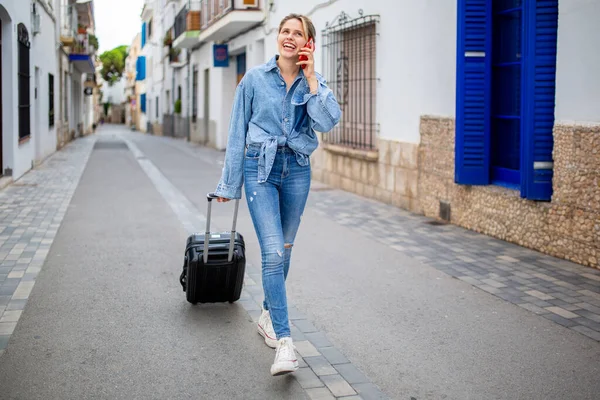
44, 58
114, 94
578, 62
21, 157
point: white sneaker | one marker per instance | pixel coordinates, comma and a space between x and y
265, 329
285, 358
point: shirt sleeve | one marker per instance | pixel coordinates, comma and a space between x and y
230, 184
323, 108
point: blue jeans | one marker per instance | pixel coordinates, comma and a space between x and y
276, 207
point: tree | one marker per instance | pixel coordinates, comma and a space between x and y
113, 64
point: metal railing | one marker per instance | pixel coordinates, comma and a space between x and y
180, 25
349, 50
68, 22
213, 10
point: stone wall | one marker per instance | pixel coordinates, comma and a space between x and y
389, 174
567, 227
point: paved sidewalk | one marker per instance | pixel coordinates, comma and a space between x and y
559, 290
32, 211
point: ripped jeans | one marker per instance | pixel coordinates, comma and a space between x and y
276, 207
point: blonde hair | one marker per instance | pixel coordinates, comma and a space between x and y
309, 28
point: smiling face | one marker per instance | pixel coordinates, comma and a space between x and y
291, 38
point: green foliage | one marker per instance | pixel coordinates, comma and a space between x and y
178, 106
113, 64
93, 40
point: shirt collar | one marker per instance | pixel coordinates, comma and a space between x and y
272, 64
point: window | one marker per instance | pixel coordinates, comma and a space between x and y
50, 100
349, 66
195, 94
157, 106
143, 102
506, 68
24, 82
179, 92
149, 29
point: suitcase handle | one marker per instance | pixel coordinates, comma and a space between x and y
210, 197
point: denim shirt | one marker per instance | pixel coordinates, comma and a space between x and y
265, 115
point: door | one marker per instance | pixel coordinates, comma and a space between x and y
241, 66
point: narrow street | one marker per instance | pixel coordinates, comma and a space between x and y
384, 303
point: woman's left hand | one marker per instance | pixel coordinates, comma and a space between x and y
309, 71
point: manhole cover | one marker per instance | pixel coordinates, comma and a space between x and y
110, 145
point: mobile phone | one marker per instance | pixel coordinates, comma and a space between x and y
310, 44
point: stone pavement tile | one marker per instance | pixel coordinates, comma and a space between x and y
542, 303
320, 365
587, 322
10, 316
489, 289
351, 374
587, 332
562, 312
254, 314
539, 295
589, 293
320, 394
4, 341
304, 325
306, 349
296, 334
318, 339
7, 328
307, 378
294, 313
369, 391
588, 314
568, 323
589, 307
533, 308
333, 355
338, 385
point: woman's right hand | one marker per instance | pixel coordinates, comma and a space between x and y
222, 199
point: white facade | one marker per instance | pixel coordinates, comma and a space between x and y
18, 156
114, 94
578, 61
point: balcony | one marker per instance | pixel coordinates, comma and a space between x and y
76, 18
223, 19
147, 10
81, 53
187, 26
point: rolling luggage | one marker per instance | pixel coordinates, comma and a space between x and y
214, 263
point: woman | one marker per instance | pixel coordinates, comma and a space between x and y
276, 110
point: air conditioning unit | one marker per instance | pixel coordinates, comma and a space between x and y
36, 24
242, 4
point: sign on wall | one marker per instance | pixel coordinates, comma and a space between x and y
220, 55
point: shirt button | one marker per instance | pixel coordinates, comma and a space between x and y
282, 83
286, 120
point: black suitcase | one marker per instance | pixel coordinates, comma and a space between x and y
217, 274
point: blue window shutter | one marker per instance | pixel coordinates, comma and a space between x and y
472, 150
143, 102
143, 34
137, 69
539, 99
